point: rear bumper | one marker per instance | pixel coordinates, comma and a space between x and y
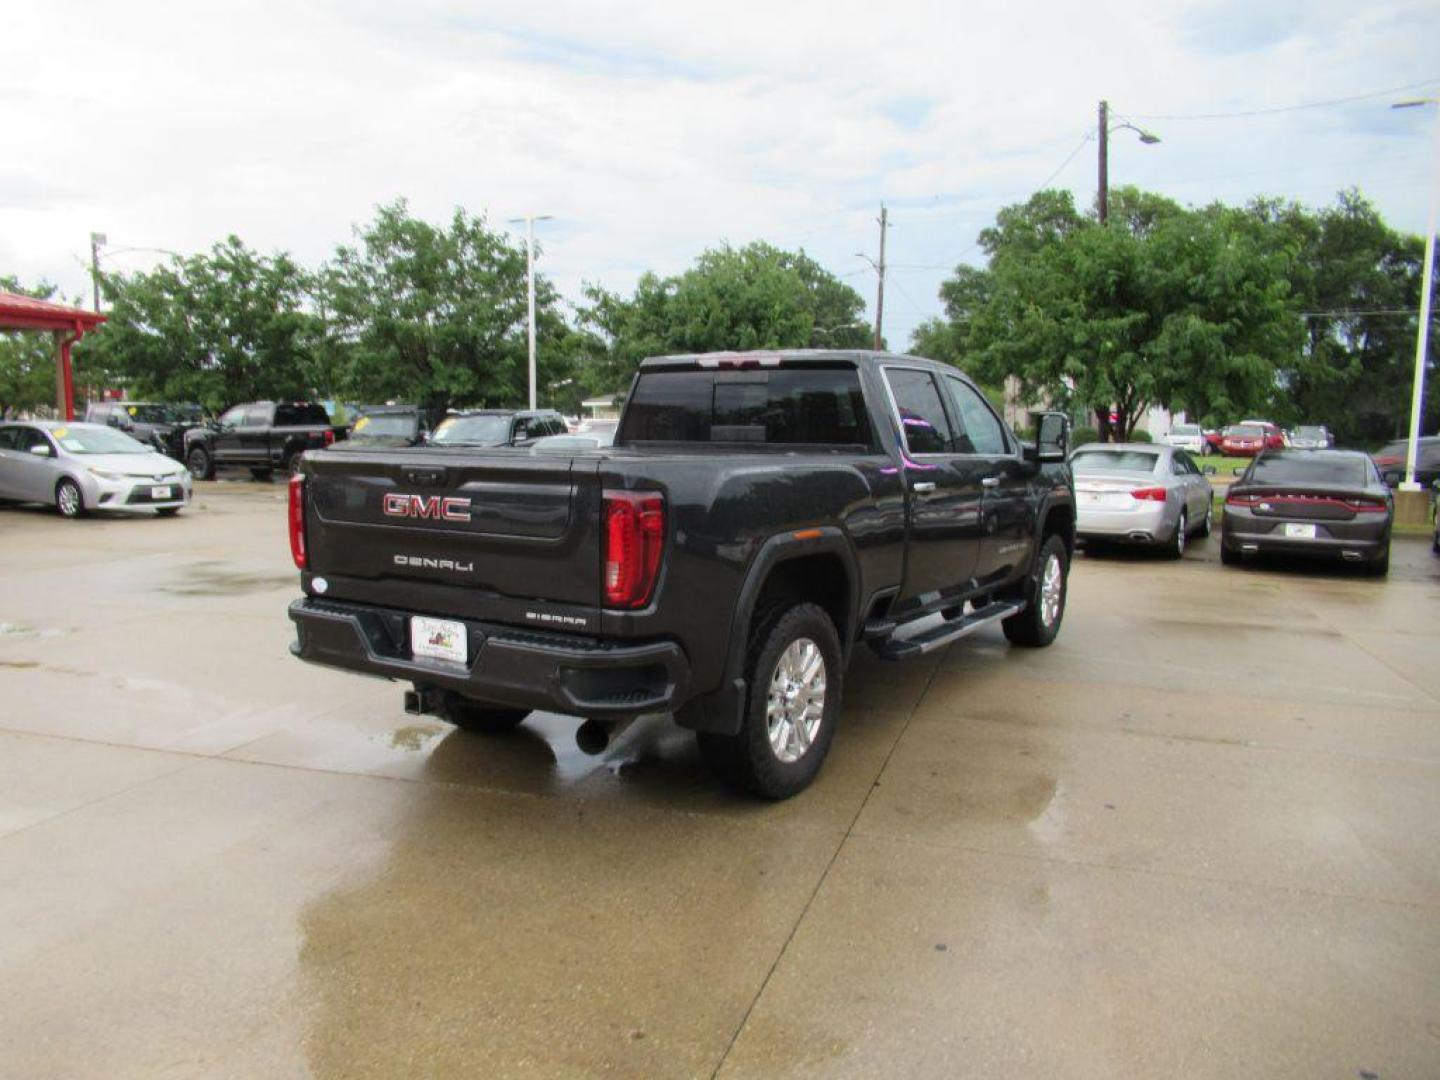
506, 666
1241, 531
1143, 523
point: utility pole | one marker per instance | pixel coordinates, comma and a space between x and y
1104, 129
96, 240
530, 220
879, 268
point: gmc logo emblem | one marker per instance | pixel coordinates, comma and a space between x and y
436, 507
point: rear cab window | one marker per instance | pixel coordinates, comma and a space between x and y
802, 406
300, 414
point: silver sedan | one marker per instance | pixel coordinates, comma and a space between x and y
1140, 493
78, 468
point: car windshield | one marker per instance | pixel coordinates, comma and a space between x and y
488, 430
1102, 459
152, 413
385, 426
1248, 431
1309, 433
1347, 470
97, 440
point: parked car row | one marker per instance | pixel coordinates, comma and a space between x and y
1318, 502
1247, 438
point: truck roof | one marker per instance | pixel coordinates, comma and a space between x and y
775, 357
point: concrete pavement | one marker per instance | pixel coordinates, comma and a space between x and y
1198, 836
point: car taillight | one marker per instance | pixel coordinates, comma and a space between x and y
1241, 500
297, 520
634, 540
1149, 494
329, 436
1365, 506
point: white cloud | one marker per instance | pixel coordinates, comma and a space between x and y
653, 130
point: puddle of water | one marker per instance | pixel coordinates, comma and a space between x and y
19, 663
216, 579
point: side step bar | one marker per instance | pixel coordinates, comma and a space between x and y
903, 648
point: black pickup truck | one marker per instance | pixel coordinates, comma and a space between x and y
262, 436
759, 516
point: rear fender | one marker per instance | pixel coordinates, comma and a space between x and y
721, 710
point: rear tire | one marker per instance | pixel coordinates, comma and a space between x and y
1044, 592
291, 465
1228, 556
1175, 549
69, 499
198, 461
792, 708
481, 719
1206, 525
1379, 567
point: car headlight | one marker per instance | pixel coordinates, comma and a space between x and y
105, 474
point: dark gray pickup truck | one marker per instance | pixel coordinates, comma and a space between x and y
759, 516
261, 436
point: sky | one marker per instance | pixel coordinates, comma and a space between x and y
650, 131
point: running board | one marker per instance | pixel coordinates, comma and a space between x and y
897, 648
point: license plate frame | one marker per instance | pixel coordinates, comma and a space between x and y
1295, 530
438, 639
161, 492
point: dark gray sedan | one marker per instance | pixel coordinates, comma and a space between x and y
1328, 503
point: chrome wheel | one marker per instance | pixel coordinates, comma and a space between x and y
1180, 528
67, 499
796, 703
1052, 589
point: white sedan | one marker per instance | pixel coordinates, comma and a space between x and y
78, 468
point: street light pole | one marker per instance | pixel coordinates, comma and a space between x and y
1104, 185
96, 241
530, 220
1149, 138
1422, 335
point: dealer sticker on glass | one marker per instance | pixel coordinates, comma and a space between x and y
441, 639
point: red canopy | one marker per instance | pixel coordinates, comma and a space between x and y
68, 324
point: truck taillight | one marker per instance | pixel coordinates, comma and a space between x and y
634, 540
329, 436
297, 520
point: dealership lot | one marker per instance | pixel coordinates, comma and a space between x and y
1200, 835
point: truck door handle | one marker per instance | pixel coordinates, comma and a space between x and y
991, 481
923, 486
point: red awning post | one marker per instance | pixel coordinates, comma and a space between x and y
67, 375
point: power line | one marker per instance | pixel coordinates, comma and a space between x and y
1283, 108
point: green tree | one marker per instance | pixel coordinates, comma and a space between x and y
1357, 291
755, 297
437, 314
1165, 305
226, 326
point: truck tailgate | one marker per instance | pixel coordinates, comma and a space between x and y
390, 526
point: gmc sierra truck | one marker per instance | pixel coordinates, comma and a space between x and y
261, 436
759, 517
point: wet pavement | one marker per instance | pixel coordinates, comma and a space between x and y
1198, 836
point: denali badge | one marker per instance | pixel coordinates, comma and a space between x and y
435, 564
441, 508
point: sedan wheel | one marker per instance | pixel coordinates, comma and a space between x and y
1176, 548
68, 499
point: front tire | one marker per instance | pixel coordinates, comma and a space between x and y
1228, 555
198, 461
481, 719
1044, 593
795, 683
69, 499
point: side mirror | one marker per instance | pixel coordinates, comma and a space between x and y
1052, 439
41, 450
1235, 471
